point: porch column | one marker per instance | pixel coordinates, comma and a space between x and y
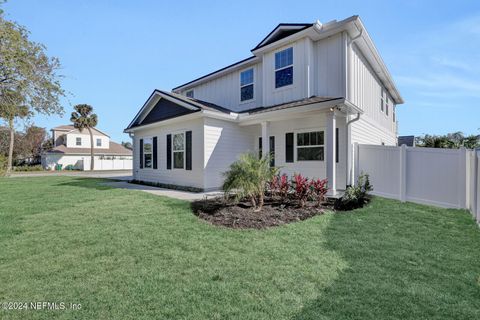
330, 158
265, 139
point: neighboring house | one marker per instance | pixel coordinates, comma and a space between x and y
307, 94
409, 141
72, 148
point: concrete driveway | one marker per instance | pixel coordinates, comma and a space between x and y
124, 175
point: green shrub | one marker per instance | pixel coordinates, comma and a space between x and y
355, 196
28, 168
70, 167
248, 178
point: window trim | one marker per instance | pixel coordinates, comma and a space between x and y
184, 133
295, 145
284, 67
245, 85
147, 140
78, 141
97, 144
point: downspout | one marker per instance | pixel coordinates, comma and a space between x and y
348, 83
349, 179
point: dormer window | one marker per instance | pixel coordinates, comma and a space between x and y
78, 141
246, 85
189, 94
284, 68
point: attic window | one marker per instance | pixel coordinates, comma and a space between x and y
284, 68
189, 94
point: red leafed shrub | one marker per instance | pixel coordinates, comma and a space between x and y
274, 185
283, 186
319, 189
301, 186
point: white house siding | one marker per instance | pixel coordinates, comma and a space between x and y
364, 131
329, 69
181, 177
311, 169
365, 92
224, 143
72, 139
225, 90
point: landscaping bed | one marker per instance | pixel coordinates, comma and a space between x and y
243, 216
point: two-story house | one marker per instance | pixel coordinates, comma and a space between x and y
71, 149
306, 95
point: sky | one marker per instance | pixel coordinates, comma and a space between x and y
115, 53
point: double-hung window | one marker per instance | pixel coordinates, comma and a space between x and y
284, 68
178, 150
99, 142
246, 85
78, 141
310, 146
147, 153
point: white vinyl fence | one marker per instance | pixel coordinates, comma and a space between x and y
441, 177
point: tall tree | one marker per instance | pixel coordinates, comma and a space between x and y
29, 82
83, 118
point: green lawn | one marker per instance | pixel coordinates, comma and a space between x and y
131, 255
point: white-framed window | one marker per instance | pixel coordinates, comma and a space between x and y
189, 94
99, 142
394, 113
387, 102
78, 141
178, 150
382, 100
246, 85
284, 68
310, 146
147, 153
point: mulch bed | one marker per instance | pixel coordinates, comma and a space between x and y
242, 215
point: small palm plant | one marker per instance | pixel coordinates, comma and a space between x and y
248, 178
83, 118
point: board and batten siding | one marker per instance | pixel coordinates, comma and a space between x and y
365, 92
329, 78
225, 90
224, 142
181, 177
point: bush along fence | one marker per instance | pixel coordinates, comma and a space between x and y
448, 178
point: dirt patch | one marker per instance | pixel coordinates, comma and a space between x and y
242, 215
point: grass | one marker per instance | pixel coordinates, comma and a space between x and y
131, 255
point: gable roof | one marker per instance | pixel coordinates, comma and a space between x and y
151, 112
113, 149
281, 31
70, 128
286, 32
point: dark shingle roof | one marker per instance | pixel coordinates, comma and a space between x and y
114, 149
293, 104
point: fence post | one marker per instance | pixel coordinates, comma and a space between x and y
462, 178
403, 173
477, 187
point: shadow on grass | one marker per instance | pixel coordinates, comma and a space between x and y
405, 261
90, 183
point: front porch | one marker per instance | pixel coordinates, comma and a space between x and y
310, 141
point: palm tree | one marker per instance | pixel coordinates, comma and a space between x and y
83, 118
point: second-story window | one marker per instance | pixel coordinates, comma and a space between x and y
386, 105
99, 142
284, 68
394, 113
246, 85
382, 100
78, 141
189, 94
